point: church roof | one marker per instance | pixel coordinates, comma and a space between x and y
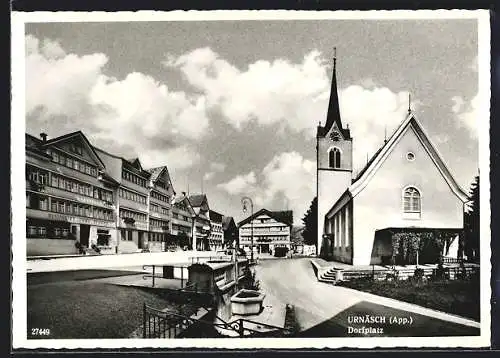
369, 170
333, 114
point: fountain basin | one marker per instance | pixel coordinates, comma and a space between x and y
247, 302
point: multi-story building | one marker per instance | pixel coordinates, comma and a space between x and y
270, 229
182, 223
160, 206
216, 238
70, 199
132, 209
202, 227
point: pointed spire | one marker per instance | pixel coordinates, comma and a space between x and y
333, 115
409, 103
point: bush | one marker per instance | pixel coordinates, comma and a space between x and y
440, 272
392, 275
418, 276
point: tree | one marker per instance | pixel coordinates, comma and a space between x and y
471, 223
310, 221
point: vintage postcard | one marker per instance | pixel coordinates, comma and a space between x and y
251, 179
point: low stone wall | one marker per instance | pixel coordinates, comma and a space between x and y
451, 272
42, 247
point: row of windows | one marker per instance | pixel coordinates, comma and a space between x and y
181, 228
42, 232
181, 217
67, 207
159, 196
126, 235
133, 178
263, 230
216, 228
158, 209
256, 238
158, 223
57, 181
133, 215
130, 195
72, 163
74, 186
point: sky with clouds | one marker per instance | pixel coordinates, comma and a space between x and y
232, 106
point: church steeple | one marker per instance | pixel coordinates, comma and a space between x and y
333, 114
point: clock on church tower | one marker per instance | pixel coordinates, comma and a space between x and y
335, 135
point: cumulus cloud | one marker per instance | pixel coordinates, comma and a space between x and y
269, 92
370, 114
71, 90
294, 95
215, 168
177, 158
288, 180
467, 113
240, 184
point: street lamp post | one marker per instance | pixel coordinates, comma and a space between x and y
246, 201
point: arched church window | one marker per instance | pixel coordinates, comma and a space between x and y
411, 201
334, 157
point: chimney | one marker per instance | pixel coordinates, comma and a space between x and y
43, 136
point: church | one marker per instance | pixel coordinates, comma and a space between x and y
405, 187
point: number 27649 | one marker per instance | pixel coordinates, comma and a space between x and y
40, 332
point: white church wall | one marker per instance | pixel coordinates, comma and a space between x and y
380, 204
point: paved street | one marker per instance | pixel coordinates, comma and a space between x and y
324, 310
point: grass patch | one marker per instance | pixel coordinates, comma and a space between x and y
84, 309
459, 297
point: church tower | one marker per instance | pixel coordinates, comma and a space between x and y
333, 161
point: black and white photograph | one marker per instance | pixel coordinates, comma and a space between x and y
216, 179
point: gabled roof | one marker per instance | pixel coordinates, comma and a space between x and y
82, 136
157, 172
285, 217
365, 175
178, 201
197, 200
136, 163
226, 222
333, 114
35, 145
215, 216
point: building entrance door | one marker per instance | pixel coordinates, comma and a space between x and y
140, 241
84, 234
264, 248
